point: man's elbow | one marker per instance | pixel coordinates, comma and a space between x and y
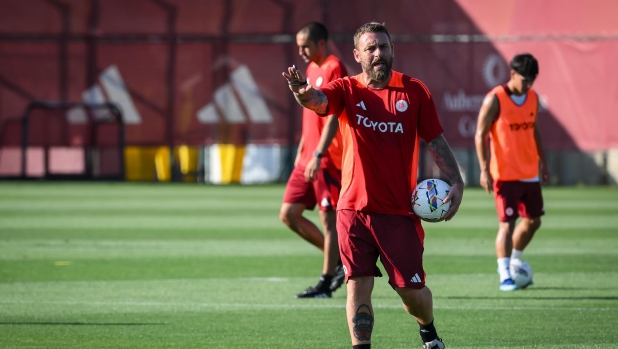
478, 137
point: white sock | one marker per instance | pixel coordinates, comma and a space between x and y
503, 268
516, 254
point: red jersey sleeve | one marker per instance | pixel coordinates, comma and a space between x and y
429, 126
334, 92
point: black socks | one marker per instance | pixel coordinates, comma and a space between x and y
428, 332
324, 282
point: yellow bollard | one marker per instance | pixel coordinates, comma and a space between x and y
231, 162
162, 164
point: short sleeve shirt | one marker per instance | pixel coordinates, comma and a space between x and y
381, 132
332, 68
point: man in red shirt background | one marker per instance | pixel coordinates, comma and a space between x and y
316, 178
387, 113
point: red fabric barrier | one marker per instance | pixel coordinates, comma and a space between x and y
177, 61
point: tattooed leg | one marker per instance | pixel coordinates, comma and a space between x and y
363, 323
359, 312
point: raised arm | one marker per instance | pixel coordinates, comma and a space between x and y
444, 158
304, 93
487, 115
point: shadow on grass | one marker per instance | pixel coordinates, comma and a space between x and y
539, 298
83, 323
569, 288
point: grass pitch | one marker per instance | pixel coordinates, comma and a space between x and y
98, 265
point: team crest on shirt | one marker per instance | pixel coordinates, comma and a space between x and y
401, 105
318, 81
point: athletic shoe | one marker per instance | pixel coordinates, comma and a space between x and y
508, 285
434, 344
313, 292
338, 278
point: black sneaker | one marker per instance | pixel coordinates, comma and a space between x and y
338, 278
314, 292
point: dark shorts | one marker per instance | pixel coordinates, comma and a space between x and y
396, 240
518, 199
323, 191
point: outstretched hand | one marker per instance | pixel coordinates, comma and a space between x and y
455, 195
296, 81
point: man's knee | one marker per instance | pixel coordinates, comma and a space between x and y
360, 285
505, 229
407, 293
413, 296
290, 214
284, 215
329, 221
533, 223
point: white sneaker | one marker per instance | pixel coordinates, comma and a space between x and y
434, 344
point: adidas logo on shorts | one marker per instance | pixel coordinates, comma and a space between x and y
416, 278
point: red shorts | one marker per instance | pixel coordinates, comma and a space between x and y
518, 199
396, 240
324, 190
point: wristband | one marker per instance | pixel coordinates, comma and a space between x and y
317, 154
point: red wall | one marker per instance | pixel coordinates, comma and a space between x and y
44, 55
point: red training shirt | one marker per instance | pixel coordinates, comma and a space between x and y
381, 131
332, 68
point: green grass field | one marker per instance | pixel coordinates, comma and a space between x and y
97, 265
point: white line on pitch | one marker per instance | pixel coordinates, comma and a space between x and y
287, 306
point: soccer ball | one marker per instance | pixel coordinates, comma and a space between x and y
521, 272
427, 200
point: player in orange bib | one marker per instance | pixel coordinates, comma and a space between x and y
316, 178
510, 167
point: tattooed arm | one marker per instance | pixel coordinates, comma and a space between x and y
444, 158
304, 93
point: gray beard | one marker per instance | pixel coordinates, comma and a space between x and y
379, 75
